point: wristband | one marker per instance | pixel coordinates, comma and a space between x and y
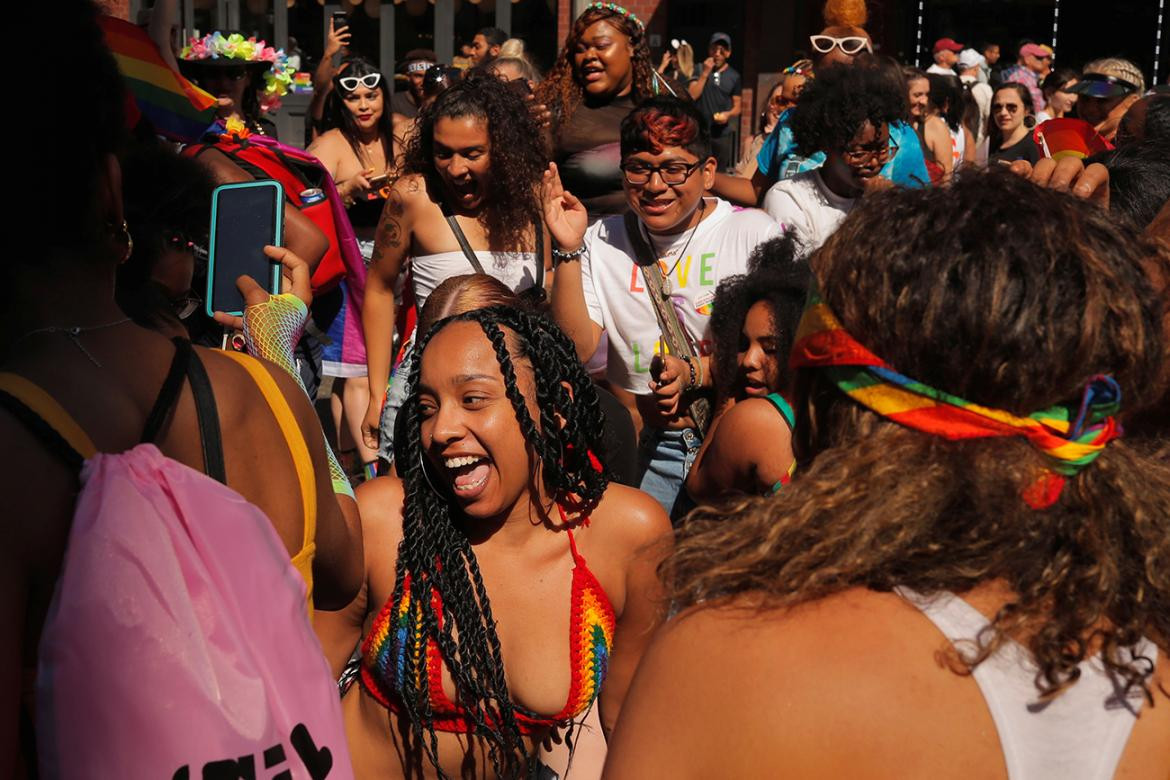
691, 365
567, 256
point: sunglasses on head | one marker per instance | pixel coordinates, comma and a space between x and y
851, 44
369, 81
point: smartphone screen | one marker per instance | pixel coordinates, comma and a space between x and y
339, 20
244, 218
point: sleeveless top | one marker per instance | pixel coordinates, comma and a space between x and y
958, 144
1079, 735
790, 419
517, 270
591, 629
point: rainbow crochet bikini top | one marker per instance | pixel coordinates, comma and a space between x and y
591, 629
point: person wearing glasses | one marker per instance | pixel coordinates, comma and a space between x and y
1010, 136
165, 196
600, 285
1108, 89
842, 43
357, 148
1032, 64
847, 113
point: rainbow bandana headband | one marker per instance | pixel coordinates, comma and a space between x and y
1069, 437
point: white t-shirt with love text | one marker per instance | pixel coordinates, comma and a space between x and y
616, 296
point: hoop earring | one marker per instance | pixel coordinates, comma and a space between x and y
422, 464
124, 230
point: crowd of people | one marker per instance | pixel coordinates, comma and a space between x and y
850, 447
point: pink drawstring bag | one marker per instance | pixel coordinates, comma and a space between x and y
177, 645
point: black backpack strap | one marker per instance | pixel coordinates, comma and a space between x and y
169, 393
208, 416
48, 435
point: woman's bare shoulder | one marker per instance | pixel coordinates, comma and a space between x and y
380, 502
630, 515
328, 143
765, 686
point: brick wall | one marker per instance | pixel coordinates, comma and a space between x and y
651, 12
118, 8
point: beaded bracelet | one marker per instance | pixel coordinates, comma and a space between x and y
691, 365
565, 256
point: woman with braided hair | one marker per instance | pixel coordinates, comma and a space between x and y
968, 575
473, 553
603, 72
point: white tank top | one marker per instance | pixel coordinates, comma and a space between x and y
515, 269
1079, 735
958, 144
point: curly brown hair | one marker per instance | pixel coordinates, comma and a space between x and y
517, 155
1012, 297
561, 90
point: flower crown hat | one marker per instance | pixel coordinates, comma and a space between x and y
217, 49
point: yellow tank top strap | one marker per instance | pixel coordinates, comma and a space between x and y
303, 560
32, 396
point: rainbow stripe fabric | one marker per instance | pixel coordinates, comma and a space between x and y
591, 631
1069, 437
398, 629
177, 108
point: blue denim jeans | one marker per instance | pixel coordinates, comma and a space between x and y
665, 459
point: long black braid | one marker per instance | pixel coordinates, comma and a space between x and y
435, 556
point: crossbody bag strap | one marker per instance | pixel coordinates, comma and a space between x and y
538, 225
673, 332
462, 239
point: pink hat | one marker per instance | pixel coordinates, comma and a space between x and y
1034, 50
947, 43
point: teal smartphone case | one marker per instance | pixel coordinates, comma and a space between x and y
278, 239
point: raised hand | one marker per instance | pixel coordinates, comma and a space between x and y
564, 213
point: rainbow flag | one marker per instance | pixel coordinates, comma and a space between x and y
177, 108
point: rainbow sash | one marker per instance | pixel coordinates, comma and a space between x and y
1069, 437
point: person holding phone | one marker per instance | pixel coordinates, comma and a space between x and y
357, 150
465, 201
336, 43
64, 333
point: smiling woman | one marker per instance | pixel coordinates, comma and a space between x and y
603, 72
501, 503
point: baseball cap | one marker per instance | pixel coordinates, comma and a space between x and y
969, 58
719, 37
1034, 50
950, 44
